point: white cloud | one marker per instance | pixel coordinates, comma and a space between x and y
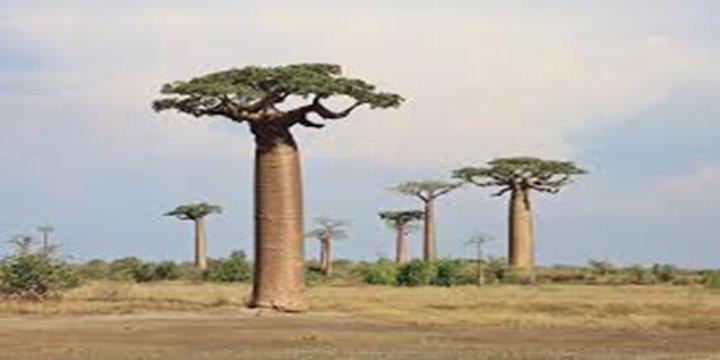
480, 82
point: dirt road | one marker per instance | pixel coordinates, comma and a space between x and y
232, 334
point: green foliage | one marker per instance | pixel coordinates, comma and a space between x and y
417, 273
451, 272
664, 273
526, 172
124, 268
96, 269
401, 216
314, 276
236, 268
381, 272
35, 275
194, 211
426, 190
712, 279
146, 272
600, 267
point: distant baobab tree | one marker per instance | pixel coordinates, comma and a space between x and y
326, 231
22, 243
197, 214
428, 192
400, 220
260, 97
46, 230
520, 176
477, 241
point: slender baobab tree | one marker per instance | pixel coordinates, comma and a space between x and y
262, 97
46, 230
428, 192
197, 213
400, 220
326, 231
520, 176
477, 241
22, 243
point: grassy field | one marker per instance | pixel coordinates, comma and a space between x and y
547, 306
122, 320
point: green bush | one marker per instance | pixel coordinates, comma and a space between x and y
96, 269
381, 272
453, 272
417, 273
236, 268
35, 276
712, 279
664, 273
124, 268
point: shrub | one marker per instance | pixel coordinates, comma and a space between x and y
167, 270
600, 267
35, 276
416, 273
452, 272
381, 272
712, 279
96, 269
236, 268
664, 273
124, 268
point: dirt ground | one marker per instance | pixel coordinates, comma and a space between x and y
245, 334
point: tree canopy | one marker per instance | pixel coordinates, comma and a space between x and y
426, 190
333, 228
401, 216
252, 94
521, 173
194, 211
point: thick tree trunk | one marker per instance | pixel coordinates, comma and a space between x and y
401, 246
521, 253
321, 259
328, 257
200, 245
278, 282
429, 241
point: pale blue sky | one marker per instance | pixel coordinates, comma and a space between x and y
628, 90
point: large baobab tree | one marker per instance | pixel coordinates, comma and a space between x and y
326, 231
197, 214
520, 176
400, 220
428, 192
273, 100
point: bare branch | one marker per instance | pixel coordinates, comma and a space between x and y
325, 113
502, 191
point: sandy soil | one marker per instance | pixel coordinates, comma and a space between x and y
246, 334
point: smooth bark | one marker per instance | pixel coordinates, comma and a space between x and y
328, 257
278, 282
521, 232
200, 244
429, 233
401, 250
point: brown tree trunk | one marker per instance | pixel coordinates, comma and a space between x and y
521, 254
429, 241
278, 282
401, 251
328, 257
200, 245
321, 259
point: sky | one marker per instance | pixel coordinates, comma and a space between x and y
627, 90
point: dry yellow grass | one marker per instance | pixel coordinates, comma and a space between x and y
559, 306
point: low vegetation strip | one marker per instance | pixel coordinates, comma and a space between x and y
627, 307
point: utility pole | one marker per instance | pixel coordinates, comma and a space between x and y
46, 230
478, 241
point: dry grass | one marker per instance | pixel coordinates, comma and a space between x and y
553, 306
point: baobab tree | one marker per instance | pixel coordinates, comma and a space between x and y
326, 231
400, 220
46, 230
264, 98
477, 241
428, 192
520, 176
197, 214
